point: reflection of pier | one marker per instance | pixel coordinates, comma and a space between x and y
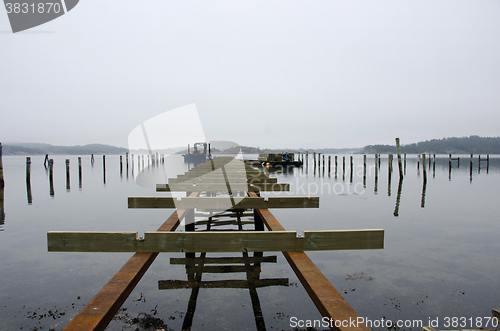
196, 266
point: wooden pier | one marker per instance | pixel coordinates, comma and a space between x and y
244, 185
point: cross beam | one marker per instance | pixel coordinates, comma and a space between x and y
227, 241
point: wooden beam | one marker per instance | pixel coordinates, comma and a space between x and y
227, 241
101, 309
224, 202
264, 187
495, 313
326, 298
178, 284
221, 180
227, 260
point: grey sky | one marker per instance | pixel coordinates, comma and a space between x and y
308, 74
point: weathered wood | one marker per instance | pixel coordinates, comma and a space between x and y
224, 202
79, 172
179, 284
51, 177
264, 187
227, 260
67, 176
400, 163
227, 241
221, 180
495, 313
97, 314
2, 182
326, 298
28, 180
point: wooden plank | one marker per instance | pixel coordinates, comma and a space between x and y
227, 241
179, 284
223, 269
223, 202
101, 309
227, 260
326, 298
220, 179
495, 313
264, 187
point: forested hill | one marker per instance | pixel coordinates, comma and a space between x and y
37, 148
464, 145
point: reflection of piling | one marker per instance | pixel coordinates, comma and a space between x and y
121, 166
422, 204
67, 175
376, 174
51, 177
28, 180
434, 166
92, 160
379, 161
2, 183
418, 163
46, 161
487, 160
449, 166
389, 176
470, 168
400, 164
104, 168
79, 172
364, 171
398, 197
314, 157
132, 159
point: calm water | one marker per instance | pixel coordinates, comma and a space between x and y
440, 257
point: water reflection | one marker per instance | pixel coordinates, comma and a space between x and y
196, 266
2, 210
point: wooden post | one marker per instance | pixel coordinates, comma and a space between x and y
2, 182
92, 160
343, 168
126, 162
51, 177
405, 165
375, 190
46, 161
423, 167
67, 176
364, 171
418, 163
28, 180
389, 175
352, 170
79, 172
488, 163
398, 148
104, 168
121, 166
422, 204
329, 165
470, 170
335, 166
398, 197
379, 161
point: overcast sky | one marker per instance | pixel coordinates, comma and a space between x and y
308, 74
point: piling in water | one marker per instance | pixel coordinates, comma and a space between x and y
335, 166
343, 168
352, 170
51, 177
46, 161
398, 197
92, 160
423, 167
67, 176
132, 159
375, 190
126, 162
389, 175
405, 165
121, 166
2, 182
104, 168
79, 172
424, 186
398, 148
28, 180
364, 171
329, 165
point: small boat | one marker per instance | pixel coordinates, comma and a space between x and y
201, 153
278, 160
